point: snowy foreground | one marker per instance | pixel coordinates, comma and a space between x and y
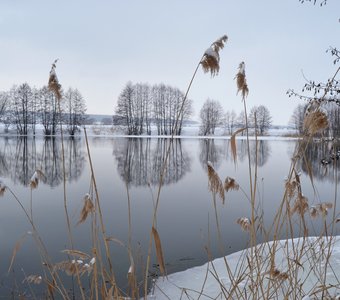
303, 261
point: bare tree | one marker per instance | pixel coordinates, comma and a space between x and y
74, 110
139, 104
230, 121
48, 111
263, 119
296, 120
211, 116
4, 101
20, 97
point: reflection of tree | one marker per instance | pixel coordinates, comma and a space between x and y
263, 152
210, 152
19, 158
312, 160
4, 153
141, 161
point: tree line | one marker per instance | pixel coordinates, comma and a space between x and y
140, 105
24, 107
213, 116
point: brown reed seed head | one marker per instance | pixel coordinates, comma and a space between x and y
291, 187
315, 121
231, 184
2, 189
34, 181
321, 208
245, 223
300, 205
314, 212
242, 81
278, 275
211, 58
87, 209
215, 183
53, 83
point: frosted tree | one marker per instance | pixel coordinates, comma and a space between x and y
211, 116
74, 110
260, 119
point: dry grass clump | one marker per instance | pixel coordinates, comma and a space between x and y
211, 58
300, 206
242, 81
87, 208
277, 274
321, 208
315, 122
291, 187
245, 223
215, 183
231, 184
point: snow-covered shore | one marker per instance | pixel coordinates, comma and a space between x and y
211, 280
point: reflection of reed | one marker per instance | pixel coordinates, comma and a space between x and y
140, 161
314, 155
20, 157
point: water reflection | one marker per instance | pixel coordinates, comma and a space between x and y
263, 152
210, 151
315, 154
215, 151
20, 157
140, 161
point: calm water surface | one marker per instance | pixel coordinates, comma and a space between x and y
130, 169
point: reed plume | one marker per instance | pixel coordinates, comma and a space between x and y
2, 188
245, 223
321, 208
53, 82
291, 188
34, 181
215, 183
301, 205
315, 121
231, 184
242, 81
211, 58
87, 208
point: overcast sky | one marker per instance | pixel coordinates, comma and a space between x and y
101, 45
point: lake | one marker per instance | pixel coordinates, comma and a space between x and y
127, 172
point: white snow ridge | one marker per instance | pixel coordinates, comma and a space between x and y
305, 268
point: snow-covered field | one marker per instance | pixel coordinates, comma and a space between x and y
189, 131
303, 262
